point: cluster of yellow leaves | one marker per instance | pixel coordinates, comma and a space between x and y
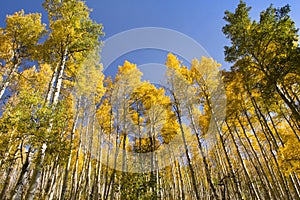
289, 154
105, 118
129, 74
36, 79
173, 62
22, 33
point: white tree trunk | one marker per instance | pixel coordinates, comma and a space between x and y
52, 86
36, 175
37, 172
67, 168
60, 77
6, 82
55, 183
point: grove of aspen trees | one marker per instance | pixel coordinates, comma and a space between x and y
67, 131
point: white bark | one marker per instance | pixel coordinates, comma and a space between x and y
6, 82
54, 184
18, 189
60, 77
67, 168
52, 86
99, 166
36, 175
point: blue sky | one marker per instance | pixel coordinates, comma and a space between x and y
200, 20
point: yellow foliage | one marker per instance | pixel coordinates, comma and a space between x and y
22, 32
128, 75
289, 154
173, 62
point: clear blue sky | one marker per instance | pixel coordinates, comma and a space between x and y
200, 20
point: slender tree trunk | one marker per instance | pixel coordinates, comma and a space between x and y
283, 188
9, 175
270, 190
60, 77
107, 183
177, 110
290, 124
293, 107
51, 177
214, 121
67, 168
4, 192
55, 183
242, 162
113, 175
295, 184
51, 87
206, 166
36, 173
98, 170
41, 151
5, 83
260, 172
181, 186
23, 177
